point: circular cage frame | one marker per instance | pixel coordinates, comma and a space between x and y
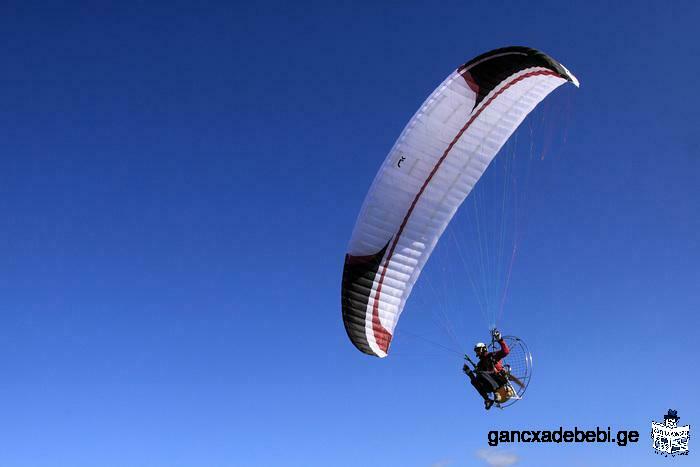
524, 367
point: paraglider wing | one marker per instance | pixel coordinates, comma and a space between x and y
436, 161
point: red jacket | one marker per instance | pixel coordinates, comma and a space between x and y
491, 361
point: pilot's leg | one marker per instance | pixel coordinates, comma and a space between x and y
480, 385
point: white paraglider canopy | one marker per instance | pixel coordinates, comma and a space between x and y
433, 166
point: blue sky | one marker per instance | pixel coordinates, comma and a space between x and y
179, 182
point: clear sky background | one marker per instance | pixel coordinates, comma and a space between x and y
178, 185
